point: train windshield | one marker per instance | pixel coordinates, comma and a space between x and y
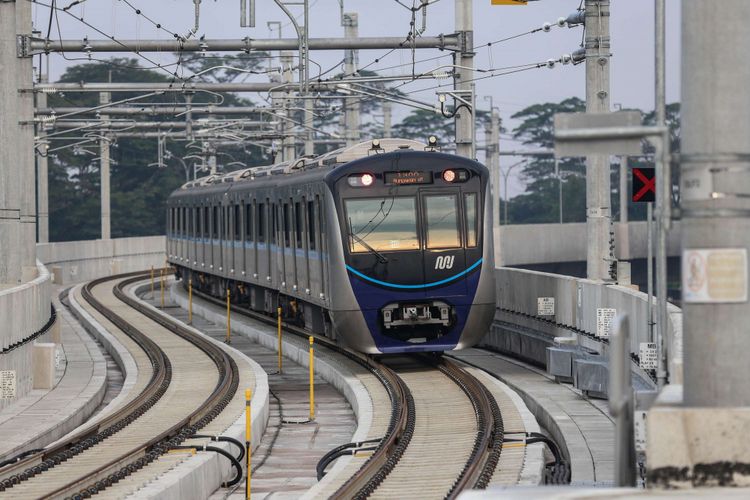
382, 224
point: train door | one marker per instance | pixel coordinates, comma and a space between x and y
443, 256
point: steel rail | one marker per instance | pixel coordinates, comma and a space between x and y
136, 458
489, 440
488, 443
89, 436
403, 416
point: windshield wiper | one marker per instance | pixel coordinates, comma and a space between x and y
382, 258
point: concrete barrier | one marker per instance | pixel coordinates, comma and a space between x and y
24, 311
76, 261
576, 302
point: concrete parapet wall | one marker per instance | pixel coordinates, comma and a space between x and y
576, 304
527, 244
75, 261
24, 310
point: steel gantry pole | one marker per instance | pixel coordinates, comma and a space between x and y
351, 103
464, 62
17, 191
715, 189
599, 258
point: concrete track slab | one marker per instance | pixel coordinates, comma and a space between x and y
583, 425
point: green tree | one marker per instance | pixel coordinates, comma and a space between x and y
539, 203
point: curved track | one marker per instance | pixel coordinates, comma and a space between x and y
445, 433
171, 407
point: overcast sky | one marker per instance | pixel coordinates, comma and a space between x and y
631, 24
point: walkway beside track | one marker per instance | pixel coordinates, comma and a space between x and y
584, 425
42, 416
284, 464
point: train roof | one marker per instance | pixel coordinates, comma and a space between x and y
330, 159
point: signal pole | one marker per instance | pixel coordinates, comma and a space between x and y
464, 61
600, 260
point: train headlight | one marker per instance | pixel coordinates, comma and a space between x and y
455, 175
361, 180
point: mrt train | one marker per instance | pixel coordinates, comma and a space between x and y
385, 246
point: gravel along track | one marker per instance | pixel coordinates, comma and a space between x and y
192, 381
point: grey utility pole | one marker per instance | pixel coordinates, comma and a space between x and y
351, 64
599, 257
387, 118
104, 98
289, 151
17, 199
623, 226
42, 170
492, 151
664, 187
464, 61
715, 180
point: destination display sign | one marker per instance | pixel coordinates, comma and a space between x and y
408, 177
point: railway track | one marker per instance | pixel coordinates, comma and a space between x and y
170, 408
445, 433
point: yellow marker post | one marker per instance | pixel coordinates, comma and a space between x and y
161, 282
190, 301
248, 438
312, 381
229, 320
278, 329
152, 281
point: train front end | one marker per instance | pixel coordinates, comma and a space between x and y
416, 252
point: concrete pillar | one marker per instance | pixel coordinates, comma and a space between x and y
599, 258
104, 98
17, 192
351, 64
715, 132
464, 59
43, 366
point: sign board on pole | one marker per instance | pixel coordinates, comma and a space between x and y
714, 275
644, 185
605, 318
7, 384
509, 2
545, 306
647, 355
586, 146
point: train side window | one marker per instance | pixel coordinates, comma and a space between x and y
274, 216
261, 222
184, 221
298, 222
237, 225
286, 222
470, 209
311, 225
204, 227
249, 236
215, 223
442, 221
